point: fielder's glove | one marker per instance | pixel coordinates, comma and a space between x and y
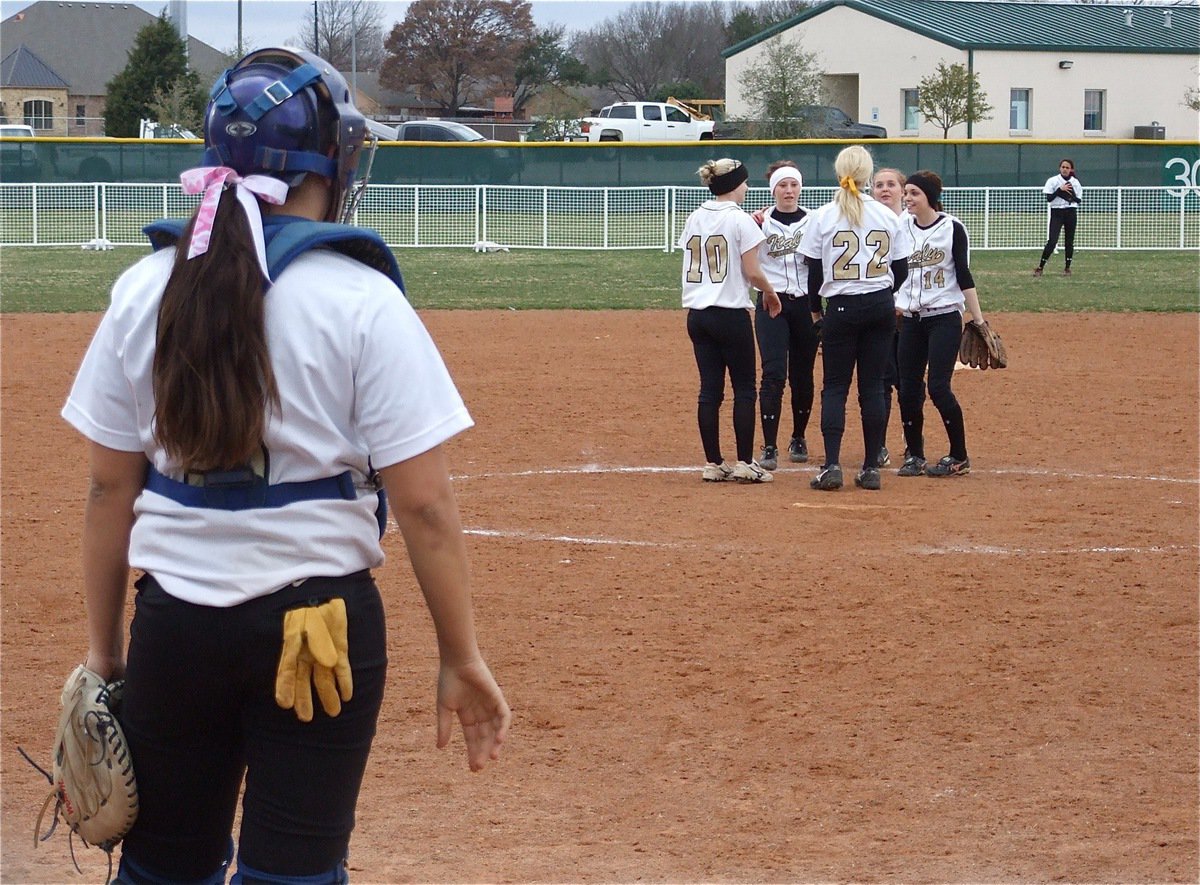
94, 790
981, 348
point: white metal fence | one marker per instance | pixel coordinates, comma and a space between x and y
590, 218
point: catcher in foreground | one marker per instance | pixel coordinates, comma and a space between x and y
932, 335
241, 395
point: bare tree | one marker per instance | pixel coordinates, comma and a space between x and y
648, 45
348, 33
952, 95
454, 51
778, 85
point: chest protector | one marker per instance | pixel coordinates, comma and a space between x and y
247, 488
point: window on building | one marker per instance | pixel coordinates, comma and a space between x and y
39, 114
1093, 110
80, 114
912, 116
1018, 110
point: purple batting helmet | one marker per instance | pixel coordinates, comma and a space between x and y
285, 112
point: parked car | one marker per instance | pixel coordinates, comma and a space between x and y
824, 121
154, 129
644, 121
437, 130
19, 161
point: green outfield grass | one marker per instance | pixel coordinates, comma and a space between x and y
34, 279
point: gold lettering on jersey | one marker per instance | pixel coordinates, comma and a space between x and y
778, 244
927, 256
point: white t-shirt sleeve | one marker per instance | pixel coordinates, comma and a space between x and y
749, 234
406, 400
101, 405
810, 243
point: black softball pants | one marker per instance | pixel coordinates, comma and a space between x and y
723, 341
1061, 220
857, 333
199, 712
787, 345
930, 343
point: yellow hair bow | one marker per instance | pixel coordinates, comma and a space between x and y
848, 184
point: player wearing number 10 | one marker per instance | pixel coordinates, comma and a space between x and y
720, 262
856, 261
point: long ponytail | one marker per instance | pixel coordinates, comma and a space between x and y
853, 167
213, 382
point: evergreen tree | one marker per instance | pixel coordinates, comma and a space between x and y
157, 63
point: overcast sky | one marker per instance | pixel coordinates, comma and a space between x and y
266, 22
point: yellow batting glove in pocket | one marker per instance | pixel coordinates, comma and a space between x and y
316, 651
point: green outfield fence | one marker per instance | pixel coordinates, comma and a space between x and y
961, 163
589, 217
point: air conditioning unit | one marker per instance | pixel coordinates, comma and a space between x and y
1152, 132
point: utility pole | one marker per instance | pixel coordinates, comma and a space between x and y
354, 52
241, 50
316, 40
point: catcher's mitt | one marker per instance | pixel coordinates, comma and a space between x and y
981, 348
93, 787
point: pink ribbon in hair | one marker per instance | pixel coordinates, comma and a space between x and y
211, 180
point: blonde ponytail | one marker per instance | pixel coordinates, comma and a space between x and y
853, 167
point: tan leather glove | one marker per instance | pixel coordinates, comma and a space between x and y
316, 651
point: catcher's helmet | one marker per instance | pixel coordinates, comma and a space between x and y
285, 112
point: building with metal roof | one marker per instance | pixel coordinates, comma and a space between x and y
1049, 70
82, 45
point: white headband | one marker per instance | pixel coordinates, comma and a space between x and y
786, 172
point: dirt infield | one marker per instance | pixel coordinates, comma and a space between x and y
991, 678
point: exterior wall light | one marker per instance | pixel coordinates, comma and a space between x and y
1066, 64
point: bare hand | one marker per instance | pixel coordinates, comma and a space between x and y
772, 303
470, 691
107, 667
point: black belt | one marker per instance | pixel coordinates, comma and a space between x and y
788, 295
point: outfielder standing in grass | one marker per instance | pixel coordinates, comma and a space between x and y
239, 409
931, 302
788, 342
720, 263
1064, 193
856, 260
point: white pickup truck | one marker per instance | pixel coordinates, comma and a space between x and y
644, 121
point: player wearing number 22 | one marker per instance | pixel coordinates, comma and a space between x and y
720, 261
856, 260
931, 303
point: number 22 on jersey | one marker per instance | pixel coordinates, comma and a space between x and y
846, 268
714, 253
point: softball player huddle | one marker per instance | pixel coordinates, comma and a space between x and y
880, 285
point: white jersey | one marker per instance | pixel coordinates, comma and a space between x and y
714, 239
855, 259
932, 283
358, 377
779, 254
1052, 186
